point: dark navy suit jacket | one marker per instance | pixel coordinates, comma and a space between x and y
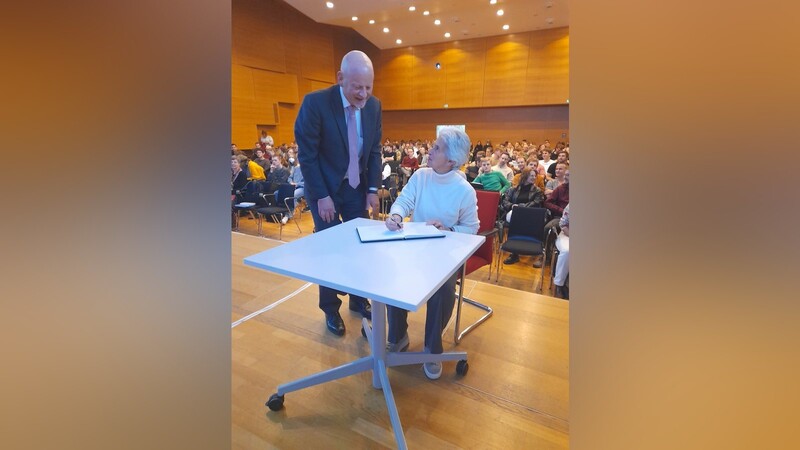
321, 135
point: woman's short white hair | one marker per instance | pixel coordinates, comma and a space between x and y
458, 145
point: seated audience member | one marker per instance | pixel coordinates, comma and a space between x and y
561, 158
503, 167
253, 170
556, 202
278, 174
388, 154
532, 164
490, 179
518, 163
296, 180
546, 161
562, 265
234, 149
266, 140
440, 196
408, 165
559, 198
238, 181
260, 160
558, 180
523, 194
423, 156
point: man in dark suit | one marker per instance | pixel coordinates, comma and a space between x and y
332, 125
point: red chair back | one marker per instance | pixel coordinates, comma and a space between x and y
487, 212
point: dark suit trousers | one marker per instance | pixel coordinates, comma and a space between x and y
350, 204
439, 309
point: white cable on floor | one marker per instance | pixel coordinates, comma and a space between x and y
268, 307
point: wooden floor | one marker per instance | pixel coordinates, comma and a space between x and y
515, 395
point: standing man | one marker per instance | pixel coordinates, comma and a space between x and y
338, 133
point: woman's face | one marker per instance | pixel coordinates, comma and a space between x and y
234, 164
276, 162
437, 158
531, 178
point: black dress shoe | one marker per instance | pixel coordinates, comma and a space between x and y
513, 259
363, 308
335, 323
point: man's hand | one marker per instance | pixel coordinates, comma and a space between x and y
326, 209
372, 201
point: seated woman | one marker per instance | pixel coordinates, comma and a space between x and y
438, 195
525, 193
533, 164
562, 265
238, 181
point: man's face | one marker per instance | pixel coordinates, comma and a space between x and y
486, 166
561, 169
545, 156
259, 153
503, 160
562, 157
356, 85
533, 165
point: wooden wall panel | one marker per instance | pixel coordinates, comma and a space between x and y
393, 83
534, 123
464, 66
506, 70
428, 83
253, 31
548, 67
275, 87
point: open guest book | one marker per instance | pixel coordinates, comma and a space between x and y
410, 230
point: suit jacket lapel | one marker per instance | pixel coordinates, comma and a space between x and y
337, 110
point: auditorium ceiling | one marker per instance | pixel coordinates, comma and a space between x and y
458, 19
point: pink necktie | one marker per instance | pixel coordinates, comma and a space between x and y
352, 137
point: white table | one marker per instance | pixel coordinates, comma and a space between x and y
398, 273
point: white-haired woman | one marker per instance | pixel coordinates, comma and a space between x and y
438, 195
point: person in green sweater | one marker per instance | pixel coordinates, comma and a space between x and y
491, 179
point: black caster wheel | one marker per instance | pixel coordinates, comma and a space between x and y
275, 402
363, 332
462, 367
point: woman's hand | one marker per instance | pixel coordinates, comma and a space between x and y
394, 222
438, 225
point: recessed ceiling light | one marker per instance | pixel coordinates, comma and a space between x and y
329, 4
425, 13
437, 22
399, 41
500, 12
447, 35
492, 2
412, 8
355, 18
385, 30
505, 27
372, 21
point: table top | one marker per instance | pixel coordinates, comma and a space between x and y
402, 273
